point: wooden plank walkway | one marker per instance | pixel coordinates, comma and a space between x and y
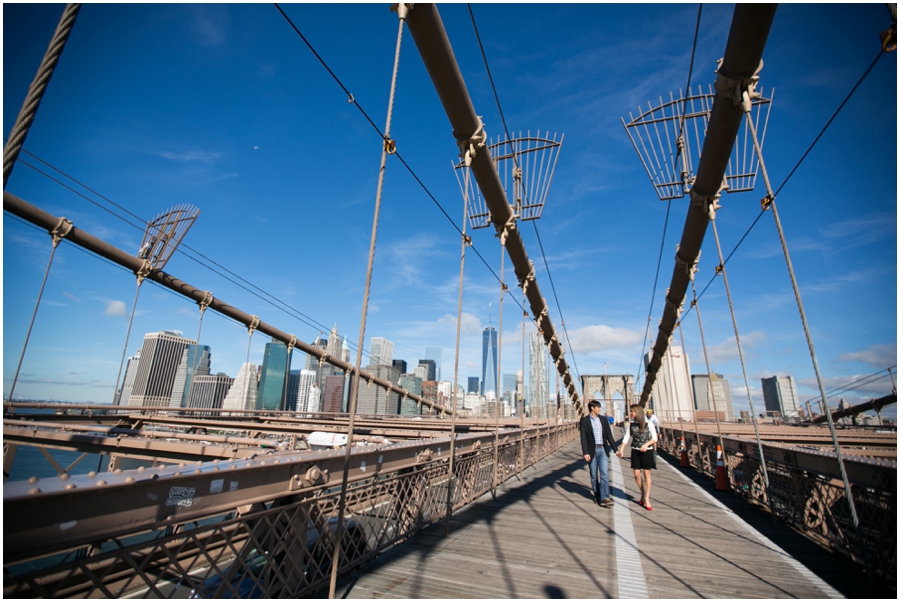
543, 537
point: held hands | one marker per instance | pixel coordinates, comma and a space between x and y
619, 452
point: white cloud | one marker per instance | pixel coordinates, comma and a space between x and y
71, 297
876, 356
469, 324
728, 350
115, 308
599, 337
187, 156
211, 25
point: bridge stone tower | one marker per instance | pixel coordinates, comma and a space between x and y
608, 385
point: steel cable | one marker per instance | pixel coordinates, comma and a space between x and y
23, 122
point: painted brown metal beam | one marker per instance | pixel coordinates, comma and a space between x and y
45, 220
431, 39
742, 60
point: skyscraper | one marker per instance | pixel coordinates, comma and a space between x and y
305, 385
508, 387
208, 391
430, 369
672, 391
194, 362
372, 399
489, 361
128, 383
154, 378
381, 352
538, 388
721, 394
399, 365
434, 353
413, 384
244, 390
780, 395
312, 362
271, 382
333, 395
473, 385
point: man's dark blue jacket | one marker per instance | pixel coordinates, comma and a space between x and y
588, 445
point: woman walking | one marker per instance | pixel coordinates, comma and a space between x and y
642, 435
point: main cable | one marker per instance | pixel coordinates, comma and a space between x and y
800, 161
534, 222
355, 102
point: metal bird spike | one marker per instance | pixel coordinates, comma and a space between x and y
525, 164
164, 234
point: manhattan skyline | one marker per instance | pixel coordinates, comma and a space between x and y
220, 105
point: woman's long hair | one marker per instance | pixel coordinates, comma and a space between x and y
639, 417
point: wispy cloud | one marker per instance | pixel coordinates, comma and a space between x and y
878, 357
115, 308
599, 337
469, 324
210, 25
190, 156
71, 297
728, 351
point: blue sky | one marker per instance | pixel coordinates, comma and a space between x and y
224, 107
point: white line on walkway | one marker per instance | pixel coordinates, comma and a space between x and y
631, 582
812, 577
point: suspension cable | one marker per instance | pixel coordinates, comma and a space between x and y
36, 90
769, 201
662, 242
737, 339
814, 142
516, 161
354, 390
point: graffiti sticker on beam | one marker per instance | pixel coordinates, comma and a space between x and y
181, 496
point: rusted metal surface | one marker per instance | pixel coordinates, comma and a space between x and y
260, 523
807, 490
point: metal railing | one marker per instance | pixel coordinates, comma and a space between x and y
262, 526
807, 491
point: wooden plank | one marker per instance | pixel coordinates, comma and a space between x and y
543, 537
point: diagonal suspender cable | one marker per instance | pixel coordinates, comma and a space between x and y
709, 373
499, 371
397, 154
20, 128
797, 165
402, 11
741, 63
737, 339
63, 228
769, 201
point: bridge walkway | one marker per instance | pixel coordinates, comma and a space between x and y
543, 537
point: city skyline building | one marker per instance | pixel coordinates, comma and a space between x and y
399, 365
194, 362
244, 390
673, 392
474, 385
373, 399
430, 369
305, 384
154, 378
208, 391
381, 351
538, 386
128, 383
413, 384
509, 387
434, 353
780, 395
489, 361
333, 394
272, 379
721, 394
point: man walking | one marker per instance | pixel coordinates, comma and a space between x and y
597, 444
